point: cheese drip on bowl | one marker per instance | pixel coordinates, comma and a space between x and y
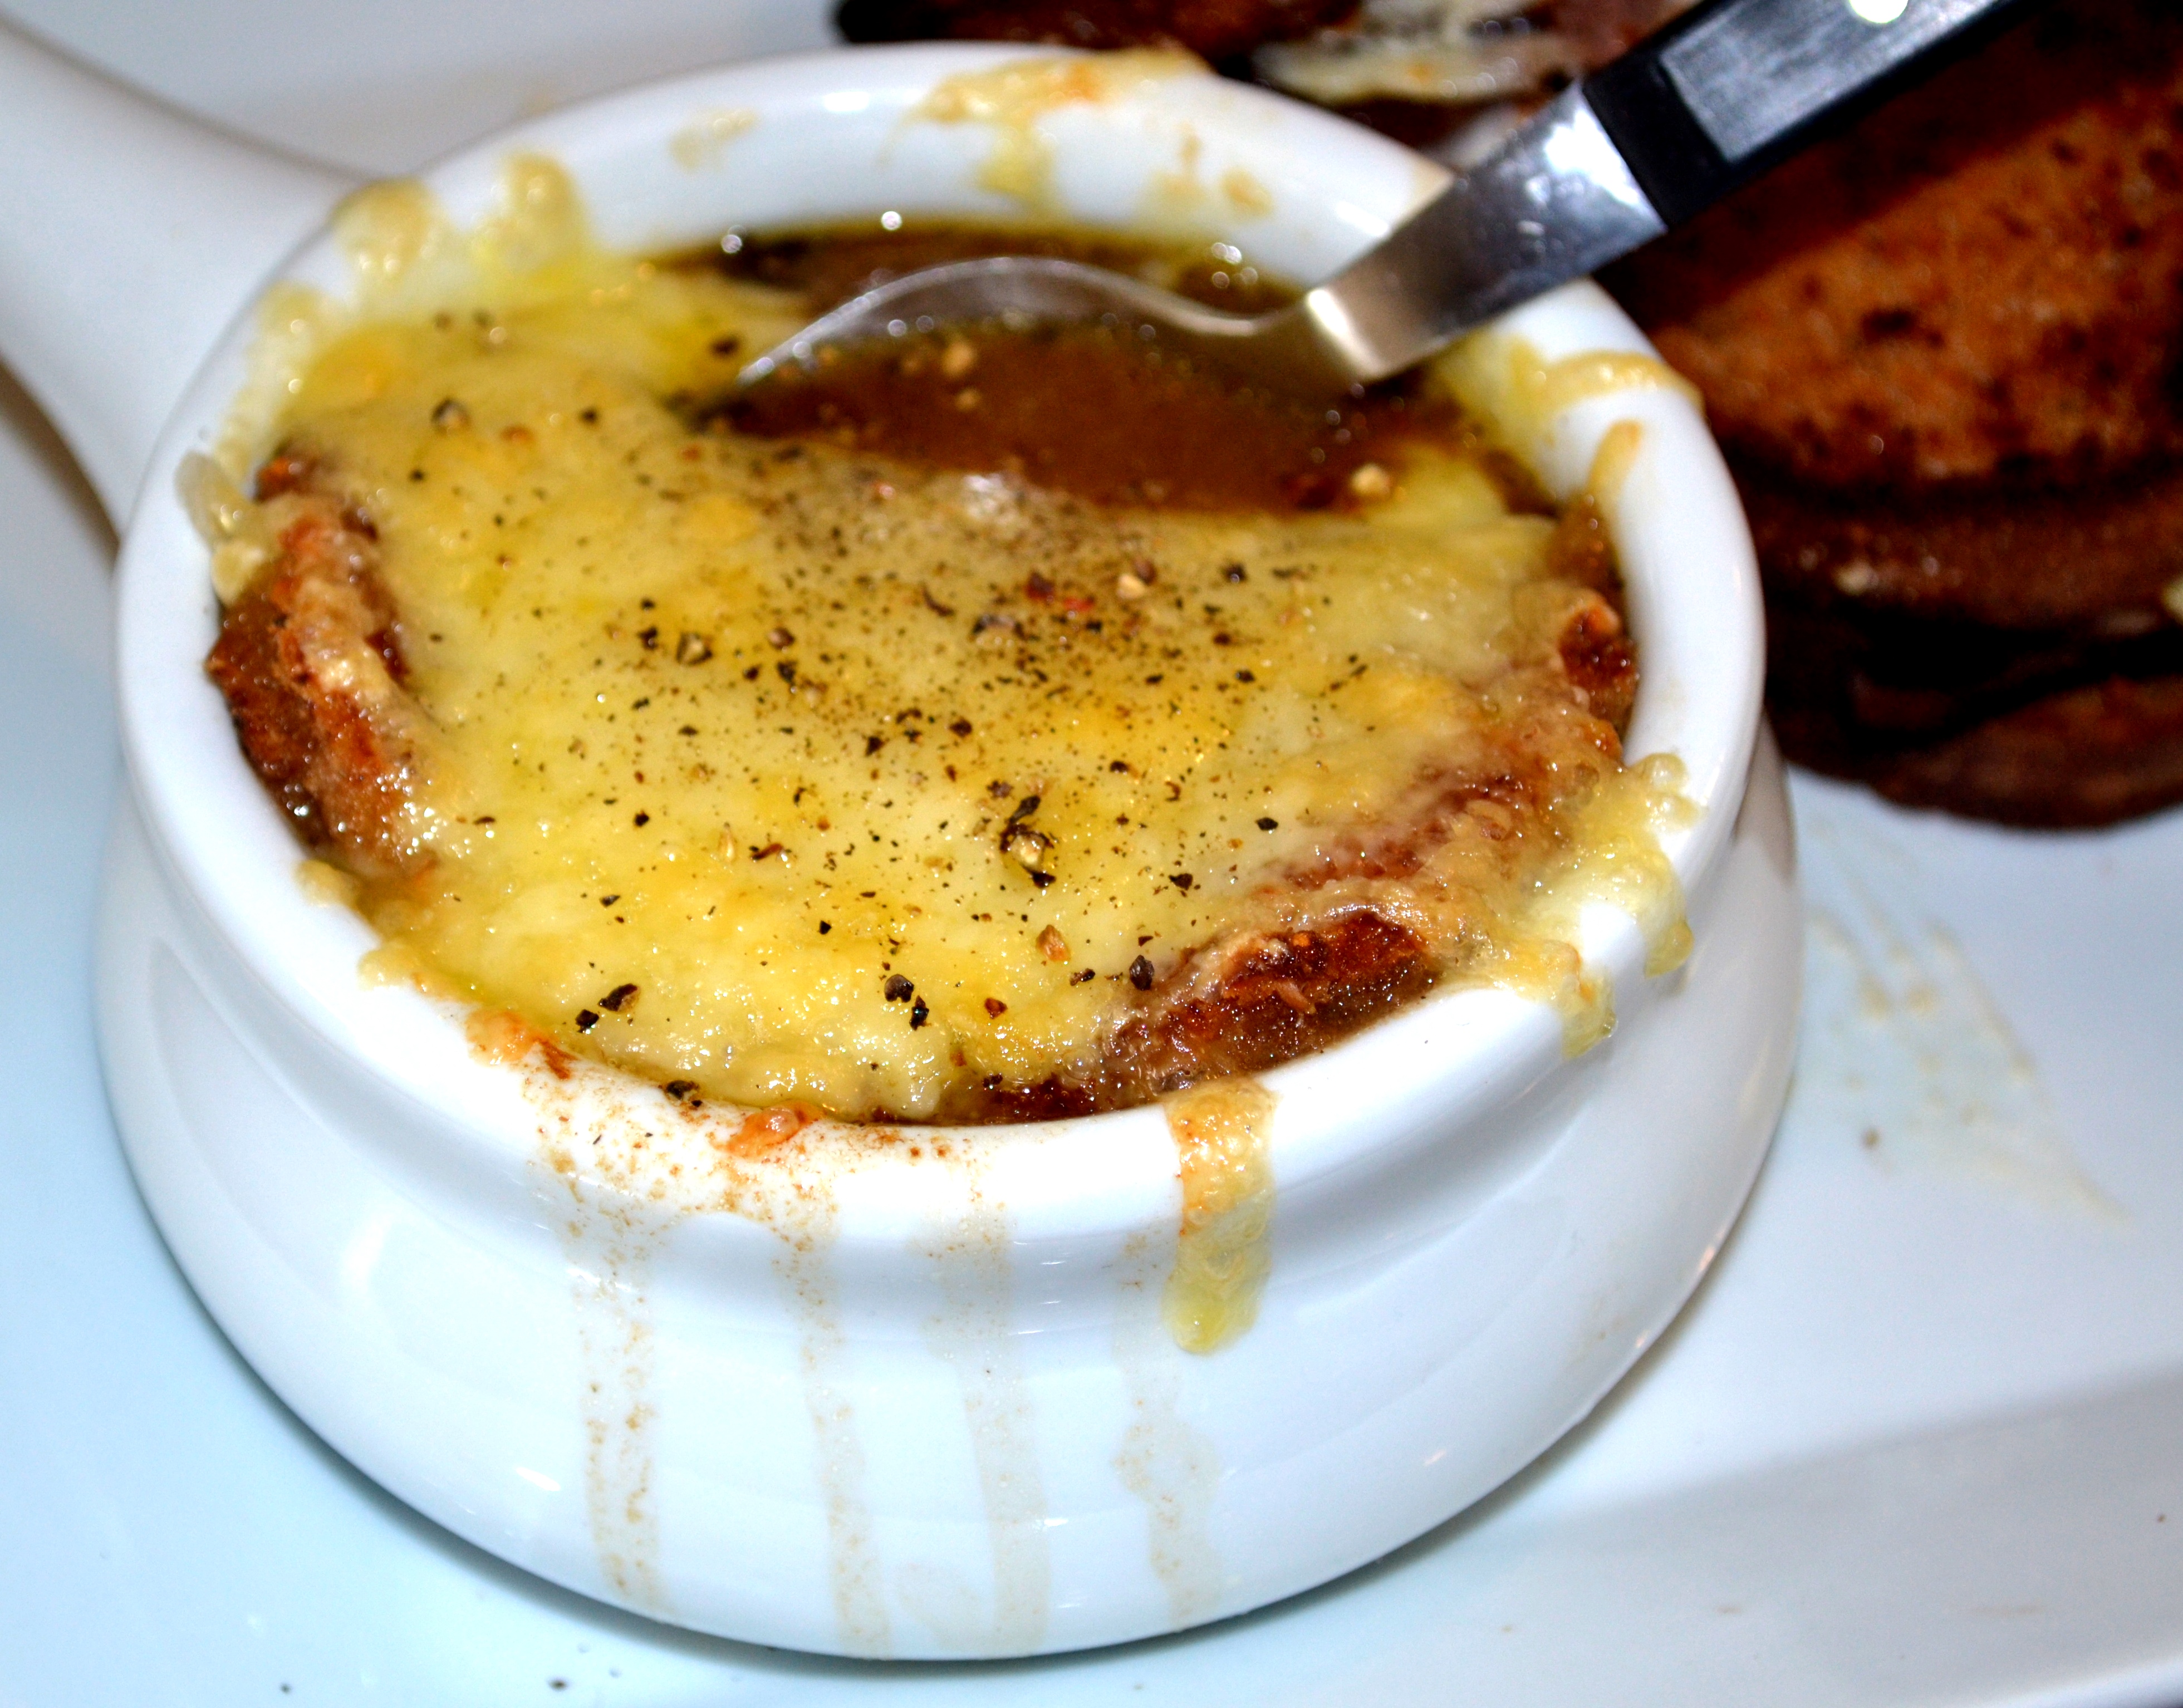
807, 770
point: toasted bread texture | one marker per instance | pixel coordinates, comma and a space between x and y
1944, 353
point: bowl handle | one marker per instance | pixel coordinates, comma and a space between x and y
130, 234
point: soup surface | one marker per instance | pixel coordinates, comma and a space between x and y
1002, 725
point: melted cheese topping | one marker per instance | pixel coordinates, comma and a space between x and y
788, 773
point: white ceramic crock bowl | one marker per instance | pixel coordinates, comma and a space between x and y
885, 1404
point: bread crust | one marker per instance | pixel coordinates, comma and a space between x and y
2077, 759
309, 660
1981, 283
1942, 352
2101, 561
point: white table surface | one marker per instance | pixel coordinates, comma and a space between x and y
1919, 1440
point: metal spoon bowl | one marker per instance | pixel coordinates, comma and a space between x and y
1553, 203
1728, 90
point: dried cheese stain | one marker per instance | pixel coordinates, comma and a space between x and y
972, 1255
1522, 391
633, 1168
1012, 98
1246, 193
609, 1244
704, 139
608, 1277
852, 1562
1221, 1259
1611, 463
1167, 1463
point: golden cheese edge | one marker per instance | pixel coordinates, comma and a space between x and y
1222, 1252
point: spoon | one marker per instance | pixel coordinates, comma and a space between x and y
1706, 105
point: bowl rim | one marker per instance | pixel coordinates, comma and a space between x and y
1463, 1049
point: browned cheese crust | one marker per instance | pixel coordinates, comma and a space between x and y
309, 660
1273, 996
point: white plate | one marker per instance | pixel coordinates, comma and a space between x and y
1919, 1440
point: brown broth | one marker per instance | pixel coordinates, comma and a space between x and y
1086, 410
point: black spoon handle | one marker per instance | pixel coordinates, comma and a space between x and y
1733, 86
